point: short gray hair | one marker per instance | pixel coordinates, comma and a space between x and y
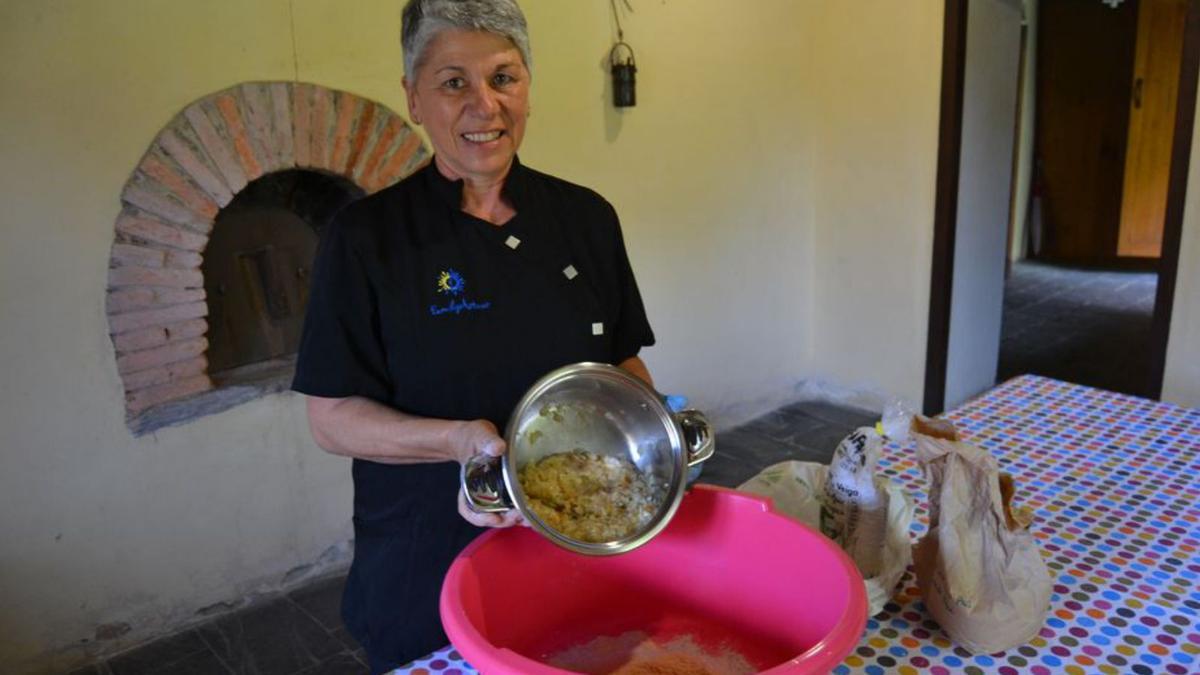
423, 19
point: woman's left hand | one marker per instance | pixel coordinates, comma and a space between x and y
505, 519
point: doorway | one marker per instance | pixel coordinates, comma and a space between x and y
1094, 216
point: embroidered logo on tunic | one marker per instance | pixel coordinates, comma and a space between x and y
451, 283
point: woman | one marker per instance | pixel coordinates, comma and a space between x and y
437, 302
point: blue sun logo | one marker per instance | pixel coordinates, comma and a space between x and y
450, 282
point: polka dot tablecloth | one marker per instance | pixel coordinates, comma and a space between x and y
1114, 482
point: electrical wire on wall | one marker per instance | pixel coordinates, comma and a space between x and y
624, 68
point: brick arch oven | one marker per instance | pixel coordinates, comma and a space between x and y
245, 177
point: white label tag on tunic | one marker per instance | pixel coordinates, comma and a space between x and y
570, 272
597, 328
512, 242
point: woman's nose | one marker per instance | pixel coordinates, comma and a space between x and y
484, 102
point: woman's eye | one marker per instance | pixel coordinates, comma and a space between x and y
454, 83
501, 79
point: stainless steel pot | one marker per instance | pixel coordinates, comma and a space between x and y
604, 410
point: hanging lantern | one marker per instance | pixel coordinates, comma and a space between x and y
624, 76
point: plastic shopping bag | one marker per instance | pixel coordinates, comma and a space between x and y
867, 515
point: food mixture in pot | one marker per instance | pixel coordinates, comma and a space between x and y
589, 497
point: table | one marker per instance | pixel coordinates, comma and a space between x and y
1114, 481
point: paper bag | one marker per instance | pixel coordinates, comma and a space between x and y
979, 570
799, 491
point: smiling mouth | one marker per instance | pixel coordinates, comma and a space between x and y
483, 136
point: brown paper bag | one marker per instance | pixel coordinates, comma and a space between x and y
978, 567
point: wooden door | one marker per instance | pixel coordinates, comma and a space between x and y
1151, 126
256, 271
1084, 80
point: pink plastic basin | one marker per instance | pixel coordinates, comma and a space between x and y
728, 571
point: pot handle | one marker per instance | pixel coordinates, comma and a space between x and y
483, 485
698, 435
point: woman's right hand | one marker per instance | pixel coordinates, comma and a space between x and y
480, 437
476, 437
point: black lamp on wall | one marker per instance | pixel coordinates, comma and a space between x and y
624, 75
622, 64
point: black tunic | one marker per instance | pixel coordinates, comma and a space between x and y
422, 307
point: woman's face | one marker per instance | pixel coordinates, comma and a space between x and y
471, 93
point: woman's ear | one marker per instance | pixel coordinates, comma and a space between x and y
410, 97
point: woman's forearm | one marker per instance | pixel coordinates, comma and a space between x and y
362, 428
636, 366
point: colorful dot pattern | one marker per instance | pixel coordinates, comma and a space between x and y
1114, 482
445, 661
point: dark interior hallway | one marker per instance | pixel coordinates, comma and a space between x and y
1083, 326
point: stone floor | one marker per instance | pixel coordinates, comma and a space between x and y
301, 633
1082, 326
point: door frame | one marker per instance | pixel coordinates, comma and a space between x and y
945, 205
946, 201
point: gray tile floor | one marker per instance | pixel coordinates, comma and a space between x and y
1082, 326
301, 633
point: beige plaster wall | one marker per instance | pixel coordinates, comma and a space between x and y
99, 528
776, 182
708, 173
712, 174
875, 89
